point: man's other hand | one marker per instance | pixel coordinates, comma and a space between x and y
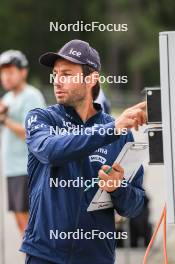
132, 117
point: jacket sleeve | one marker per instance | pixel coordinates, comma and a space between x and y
129, 200
56, 149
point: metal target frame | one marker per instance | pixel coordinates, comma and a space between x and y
167, 79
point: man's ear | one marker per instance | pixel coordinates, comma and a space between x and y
92, 79
24, 73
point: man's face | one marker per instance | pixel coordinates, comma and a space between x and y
11, 76
67, 91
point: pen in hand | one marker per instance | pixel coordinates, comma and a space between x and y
91, 185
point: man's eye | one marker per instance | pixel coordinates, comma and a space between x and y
67, 74
54, 74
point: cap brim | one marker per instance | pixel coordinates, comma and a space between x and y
48, 59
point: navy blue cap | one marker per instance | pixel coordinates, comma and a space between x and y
76, 51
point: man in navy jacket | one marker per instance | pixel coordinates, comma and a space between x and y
75, 140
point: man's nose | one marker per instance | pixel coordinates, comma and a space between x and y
57, 80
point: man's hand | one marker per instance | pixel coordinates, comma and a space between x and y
3, 118
3, 108
132, 117
110, 182
3, 112
15, 127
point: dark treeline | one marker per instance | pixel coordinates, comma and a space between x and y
24, 25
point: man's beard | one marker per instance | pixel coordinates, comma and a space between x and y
71, 102
74, 99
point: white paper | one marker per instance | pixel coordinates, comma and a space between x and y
130, 158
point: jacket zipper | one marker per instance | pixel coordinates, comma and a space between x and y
78, 213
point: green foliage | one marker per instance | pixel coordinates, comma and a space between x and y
24, 25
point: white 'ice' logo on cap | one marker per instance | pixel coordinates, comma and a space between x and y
75, 52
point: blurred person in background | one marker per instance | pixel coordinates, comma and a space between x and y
14, 106
104, 102
141, 227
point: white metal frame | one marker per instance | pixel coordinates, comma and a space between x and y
167, 78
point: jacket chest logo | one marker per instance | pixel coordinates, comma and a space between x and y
97, 158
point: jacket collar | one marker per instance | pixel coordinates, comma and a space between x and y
72, 114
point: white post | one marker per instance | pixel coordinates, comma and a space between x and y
167, 78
